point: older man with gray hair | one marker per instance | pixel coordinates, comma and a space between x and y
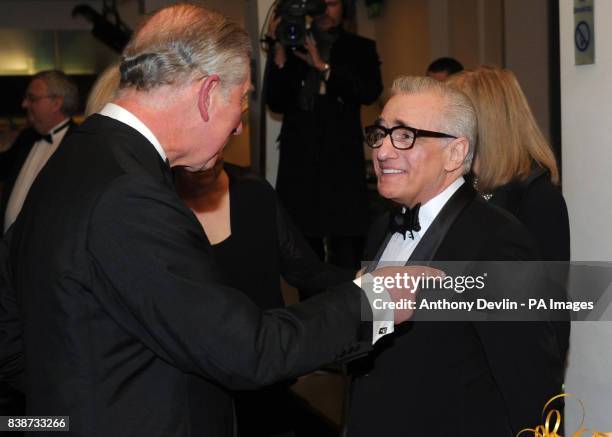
121, 320
463, 378
50, 101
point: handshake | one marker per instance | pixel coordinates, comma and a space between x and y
400, 291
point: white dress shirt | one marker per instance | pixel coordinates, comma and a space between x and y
39, 155
399, 249
397, 252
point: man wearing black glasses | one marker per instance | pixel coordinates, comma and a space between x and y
449, 378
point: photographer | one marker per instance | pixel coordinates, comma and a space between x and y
319, 88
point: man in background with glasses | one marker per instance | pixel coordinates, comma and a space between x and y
450, 378
50, 101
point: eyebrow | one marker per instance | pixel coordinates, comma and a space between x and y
396, 122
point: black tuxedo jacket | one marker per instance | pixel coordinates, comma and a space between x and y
11, 162
458, 378
125, 325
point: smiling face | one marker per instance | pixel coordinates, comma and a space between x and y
416, 175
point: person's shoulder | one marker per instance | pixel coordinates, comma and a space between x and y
488, 218
101, 123
534, 198
482, 222
492, 213
542, 189
245, 178
494, 227
358, 39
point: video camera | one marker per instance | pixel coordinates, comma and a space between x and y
291, 30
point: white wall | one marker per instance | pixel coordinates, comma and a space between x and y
273, 121
586, 108
526, 53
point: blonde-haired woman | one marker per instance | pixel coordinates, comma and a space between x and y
514, 166
103, 90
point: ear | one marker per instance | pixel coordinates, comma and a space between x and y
207, 85
57, 104
457, 150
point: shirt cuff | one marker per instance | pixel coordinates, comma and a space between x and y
382, 316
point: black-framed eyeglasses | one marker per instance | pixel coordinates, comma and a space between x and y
402, 137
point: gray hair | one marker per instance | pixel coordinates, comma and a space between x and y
61, 85
459, 116
182, 43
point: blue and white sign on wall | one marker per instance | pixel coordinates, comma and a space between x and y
584, 32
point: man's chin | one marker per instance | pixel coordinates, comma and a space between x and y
389, 193
207, 165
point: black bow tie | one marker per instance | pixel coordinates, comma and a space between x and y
404, 219
49, 137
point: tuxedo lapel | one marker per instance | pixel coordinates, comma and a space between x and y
372, 266
430, 242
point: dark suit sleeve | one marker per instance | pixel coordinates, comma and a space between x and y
524, 357
300, 266
11, 327
283, 85
153, 273
544, 213
356, 78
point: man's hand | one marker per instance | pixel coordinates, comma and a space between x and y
400, 287
360, 272
312, 58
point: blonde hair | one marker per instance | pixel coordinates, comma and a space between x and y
103, 91
459, 118
510, 140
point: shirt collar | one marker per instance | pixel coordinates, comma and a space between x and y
430, 209
121, 114
64, 121
56, 133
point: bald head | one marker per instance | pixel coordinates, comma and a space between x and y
182, 43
